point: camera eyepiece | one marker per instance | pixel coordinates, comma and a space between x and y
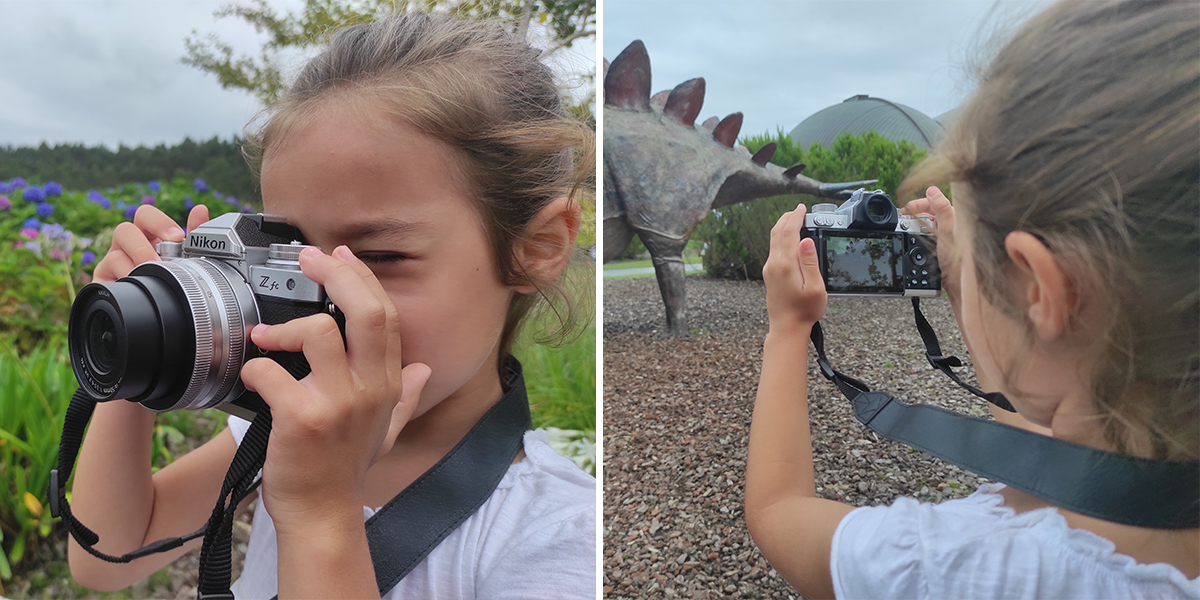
870, 210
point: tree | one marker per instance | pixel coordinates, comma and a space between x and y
566, 20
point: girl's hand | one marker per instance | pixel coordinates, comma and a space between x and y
133, 243
938, 204
331, 426
796, 295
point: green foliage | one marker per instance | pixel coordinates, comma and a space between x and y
312, 27
738, 237
216, 161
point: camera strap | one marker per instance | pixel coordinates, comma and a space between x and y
1114, 487
399, 536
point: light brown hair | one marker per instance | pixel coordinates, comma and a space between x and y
484, 93
1085, 132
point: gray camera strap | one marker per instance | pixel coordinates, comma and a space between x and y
1106, 485
399, 536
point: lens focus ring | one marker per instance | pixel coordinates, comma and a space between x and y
235, 338
203, 324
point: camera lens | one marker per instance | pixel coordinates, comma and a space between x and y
101, 349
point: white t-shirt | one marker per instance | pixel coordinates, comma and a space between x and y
976, 547
535, 537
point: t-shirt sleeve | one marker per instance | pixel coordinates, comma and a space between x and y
557, 561
877, 553
238, 427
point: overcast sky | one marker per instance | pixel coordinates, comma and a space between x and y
109, 72
778, 62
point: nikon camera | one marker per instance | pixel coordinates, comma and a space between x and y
865, 248
174, 334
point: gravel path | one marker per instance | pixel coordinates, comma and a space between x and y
677, 419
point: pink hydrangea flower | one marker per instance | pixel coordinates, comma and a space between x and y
29, 233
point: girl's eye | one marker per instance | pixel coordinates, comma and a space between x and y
381, 258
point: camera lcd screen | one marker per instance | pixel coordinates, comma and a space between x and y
863, 262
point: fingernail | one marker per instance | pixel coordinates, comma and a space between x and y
258, 329
343, 253
175, 231
312, 251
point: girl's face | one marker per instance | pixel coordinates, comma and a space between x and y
396, 198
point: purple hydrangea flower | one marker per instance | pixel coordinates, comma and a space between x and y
17, 183
4, 189
88, 258
29, 233
31, 223
148, 200
188, 205
53, 188
218, 195
35, 194
130, 211
35, 246
45, 209
94, 196
5, 204
54, 230
200, 185
154, 186
231, 200
247, 209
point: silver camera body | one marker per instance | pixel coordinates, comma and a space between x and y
174, 333
866, 248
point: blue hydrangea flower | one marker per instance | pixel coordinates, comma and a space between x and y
45, 209
54, 230
4, 189
200, 185
148, 200
130, 211
17, 183
31, 223
88, 258
188, 205
218, 195
53, 188
154, 186
231, 200
120, 204
94, 196
247, 209
5, 204
35, 194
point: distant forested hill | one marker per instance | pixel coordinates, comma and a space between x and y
76, 166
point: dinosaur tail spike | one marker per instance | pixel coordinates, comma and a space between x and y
710, 124
727, 130
683, 105
628, 82
659, 99
764, 154
843, 190
794, 170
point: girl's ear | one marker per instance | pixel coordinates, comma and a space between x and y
1050, 297
543, 251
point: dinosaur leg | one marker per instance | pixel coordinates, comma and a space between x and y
668, 268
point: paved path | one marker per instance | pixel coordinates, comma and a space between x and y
648, 270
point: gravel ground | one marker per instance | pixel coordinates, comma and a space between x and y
677, 420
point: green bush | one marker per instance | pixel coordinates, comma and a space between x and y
738, 237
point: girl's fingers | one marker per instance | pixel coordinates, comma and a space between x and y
917, 207
156, 225
810, 267
391, 328
271, 381
943, 211
114, 266
197, 217
366, 316
414, 377
318, 337
131, 240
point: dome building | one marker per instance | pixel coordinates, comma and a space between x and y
861, 113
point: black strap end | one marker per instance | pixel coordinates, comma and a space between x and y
56, 494
938, 360
216, 596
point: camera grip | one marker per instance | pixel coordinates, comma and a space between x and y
275, 312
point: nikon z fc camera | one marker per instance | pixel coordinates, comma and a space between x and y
174, 334
865, 248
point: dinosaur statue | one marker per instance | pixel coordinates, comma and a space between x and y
662, 173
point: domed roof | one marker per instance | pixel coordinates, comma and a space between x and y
861, 113
945, 118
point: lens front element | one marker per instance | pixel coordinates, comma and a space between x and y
101, 348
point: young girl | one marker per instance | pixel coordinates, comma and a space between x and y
1070, 258
431, 160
